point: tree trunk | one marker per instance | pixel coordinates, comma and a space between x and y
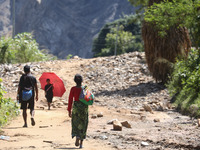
161, 52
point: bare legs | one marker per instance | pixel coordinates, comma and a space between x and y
49, 105
32, 112
77, 142
25, 118
81, 144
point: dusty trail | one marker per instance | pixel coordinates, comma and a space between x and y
52, 131
53, 128
162, 129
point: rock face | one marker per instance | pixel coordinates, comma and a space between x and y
63, 26
5, 19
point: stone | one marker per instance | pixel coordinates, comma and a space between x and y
103, 137
143, 118
100, 115
147, 108
75, 57
156, 120
144, 144
126, 124
94, 116
117, 126
111, 121
65, 103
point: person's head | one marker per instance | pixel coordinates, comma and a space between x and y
78, 79
27, 69
48, 81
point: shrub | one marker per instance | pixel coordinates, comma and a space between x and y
23, 48
8, 108
184, 83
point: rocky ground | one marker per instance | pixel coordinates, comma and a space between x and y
127, 100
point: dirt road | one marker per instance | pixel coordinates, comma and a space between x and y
52, 131
157, 129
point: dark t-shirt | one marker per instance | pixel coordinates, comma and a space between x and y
49, 90
27, 82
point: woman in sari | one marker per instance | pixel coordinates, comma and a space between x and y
79, 113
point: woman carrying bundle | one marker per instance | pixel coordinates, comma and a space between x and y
79, 113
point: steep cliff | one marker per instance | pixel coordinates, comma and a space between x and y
67, 26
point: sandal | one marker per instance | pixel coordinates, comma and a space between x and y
32, 121
25, 125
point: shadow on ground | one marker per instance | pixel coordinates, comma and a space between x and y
142, 89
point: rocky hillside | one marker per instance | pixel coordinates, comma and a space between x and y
65, 26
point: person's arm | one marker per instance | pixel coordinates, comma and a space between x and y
18, 91
45, 88
36, 90
19, 88
70, 101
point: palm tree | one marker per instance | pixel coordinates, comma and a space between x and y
161, 52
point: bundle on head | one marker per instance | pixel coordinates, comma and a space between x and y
162, 51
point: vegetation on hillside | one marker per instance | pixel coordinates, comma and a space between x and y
8, 108
184, 84
21, 49
163, 16
125, 32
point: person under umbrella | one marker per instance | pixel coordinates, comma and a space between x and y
49, 92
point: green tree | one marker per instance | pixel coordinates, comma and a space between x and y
23, 48
130, 24
124, 39
5, 55
179, 13
141, 4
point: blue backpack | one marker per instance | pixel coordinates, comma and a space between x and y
26, 95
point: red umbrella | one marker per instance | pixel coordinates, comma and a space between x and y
59, 88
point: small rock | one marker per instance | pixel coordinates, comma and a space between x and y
111, 121
144, 144
126, 124
156, 120
117, 126
75, 57
103, 137
143, 118
147, 108
100, 114
94, 116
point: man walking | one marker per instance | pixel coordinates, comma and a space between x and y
26, 94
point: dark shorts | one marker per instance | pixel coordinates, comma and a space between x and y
30, 103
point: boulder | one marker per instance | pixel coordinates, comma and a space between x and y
117, 126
